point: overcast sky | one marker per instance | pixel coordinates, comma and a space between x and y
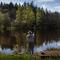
53, 5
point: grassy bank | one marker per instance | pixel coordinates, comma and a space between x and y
27, 57
19, 57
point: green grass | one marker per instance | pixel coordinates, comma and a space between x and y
26, 57
51, 58
19, 57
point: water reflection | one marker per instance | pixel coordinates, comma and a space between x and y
42, 47
45, 46
6, 51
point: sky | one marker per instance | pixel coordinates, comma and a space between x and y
53, 5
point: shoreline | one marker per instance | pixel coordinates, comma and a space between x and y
49, 52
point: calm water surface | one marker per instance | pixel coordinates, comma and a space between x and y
42, 47
47, 45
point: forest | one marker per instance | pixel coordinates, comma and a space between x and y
16, 20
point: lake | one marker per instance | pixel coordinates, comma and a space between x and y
44, 46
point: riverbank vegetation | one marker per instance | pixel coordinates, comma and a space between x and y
19, 57
28, 57
16, 20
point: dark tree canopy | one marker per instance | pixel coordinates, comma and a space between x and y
16, 20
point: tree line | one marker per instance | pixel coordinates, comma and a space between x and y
16, 20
